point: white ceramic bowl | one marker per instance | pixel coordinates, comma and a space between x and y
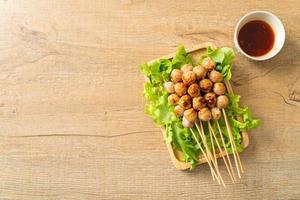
276, 25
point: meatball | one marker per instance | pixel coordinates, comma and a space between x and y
185, 102
222, 101
194, 90
176, 75
189, 77
178, 111
208, 64
186, 123
210, 99
215, 76
204, 114
173, 99
180, 88
216, 113
200, 72
190, 115
169, 86
187, 67
198, 103
205, 85
219, 88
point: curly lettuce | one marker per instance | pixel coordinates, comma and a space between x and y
223, 58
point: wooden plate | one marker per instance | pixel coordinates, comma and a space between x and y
176, 156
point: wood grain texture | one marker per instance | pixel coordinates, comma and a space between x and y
72, 124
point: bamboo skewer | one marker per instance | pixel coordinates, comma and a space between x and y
205, 156
229, 87
213, 157
238, 156
213, 147
235, 153
202, 135
209, 155
226, 152
204, 141
213, 150
218, 145
213, 176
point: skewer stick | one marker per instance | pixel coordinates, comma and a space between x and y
213, 150
204, 142
221, 152
227, 154
202, 135
213, 147
205, 156
209, 155
213, 177
235, 153
214, 154
207, 150
229, 87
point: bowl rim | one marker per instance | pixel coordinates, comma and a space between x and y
263, 57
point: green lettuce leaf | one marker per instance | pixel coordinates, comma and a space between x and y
181, 58
223, 57
234, 110
185, 143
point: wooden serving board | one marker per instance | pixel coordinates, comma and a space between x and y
176, 156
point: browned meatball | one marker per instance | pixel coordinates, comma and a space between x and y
198, 103
178, 111
187, 67
190, 115
200, 72
186, 123
169, 86
205, 85
216, 113
215, 76
210, 99
219, 88
208, 64
173, 99
222, 101
194, 90
204, 114
176, 75
189, 77
180, 88
185, 102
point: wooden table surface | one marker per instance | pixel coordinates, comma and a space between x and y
72, 121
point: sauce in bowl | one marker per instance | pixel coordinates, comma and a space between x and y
256, 38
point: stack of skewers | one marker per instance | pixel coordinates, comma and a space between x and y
198, 96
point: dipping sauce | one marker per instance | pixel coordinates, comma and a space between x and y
256, 38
